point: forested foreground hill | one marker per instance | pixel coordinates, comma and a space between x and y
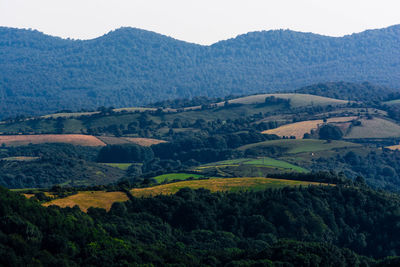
314, 226
42, 74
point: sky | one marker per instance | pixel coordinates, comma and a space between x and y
201, 21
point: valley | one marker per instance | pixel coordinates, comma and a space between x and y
136, 149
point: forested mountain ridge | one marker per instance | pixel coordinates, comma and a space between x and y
41, 74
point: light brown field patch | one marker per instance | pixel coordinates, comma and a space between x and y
20, 158
87, 199
110, 140
144, 141
298, 129
75, 139
395, 147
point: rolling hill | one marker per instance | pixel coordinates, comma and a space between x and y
41, 74
365, 91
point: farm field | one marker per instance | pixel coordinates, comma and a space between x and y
87, 199
69, 114
258, 162
296, 100
121, 166
219, 184
270, 162
110, 140
298, 129
293, 146
176, 176
393, 102
375, 128
20, 158
75, 139
395, 147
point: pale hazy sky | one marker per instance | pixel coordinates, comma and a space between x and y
202, 21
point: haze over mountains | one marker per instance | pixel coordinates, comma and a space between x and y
41, 74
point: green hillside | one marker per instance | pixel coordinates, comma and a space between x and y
374, 128
294, 146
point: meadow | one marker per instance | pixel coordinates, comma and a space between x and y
374, 128
87, 199
121, 166
256, 162
296, 100
219, 184
111, 140
294, 146
75, 139
176, 176
298, 129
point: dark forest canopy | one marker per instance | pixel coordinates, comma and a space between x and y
314, 226
134, 67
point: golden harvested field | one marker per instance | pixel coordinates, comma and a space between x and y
396, 147
87, 199
298, 129
218, 184
75, 139
110, 140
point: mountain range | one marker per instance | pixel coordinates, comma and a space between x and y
129, 67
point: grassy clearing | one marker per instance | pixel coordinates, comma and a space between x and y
375, 128
110, 140
176, 176
260, 162
270, 162
298, 129
219, 184
87, 199
121, 166
20, 158
296, 100
75, 139
395, 147
227, 162
69, 114
294, 146
392, 102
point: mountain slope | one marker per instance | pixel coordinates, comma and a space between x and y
365, 91
41, 74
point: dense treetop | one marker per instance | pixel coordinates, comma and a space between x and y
41, 74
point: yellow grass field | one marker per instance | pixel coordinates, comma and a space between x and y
396, 147
298, 129
75, 139
87, 199
219, 184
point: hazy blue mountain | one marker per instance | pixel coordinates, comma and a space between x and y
41, 73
